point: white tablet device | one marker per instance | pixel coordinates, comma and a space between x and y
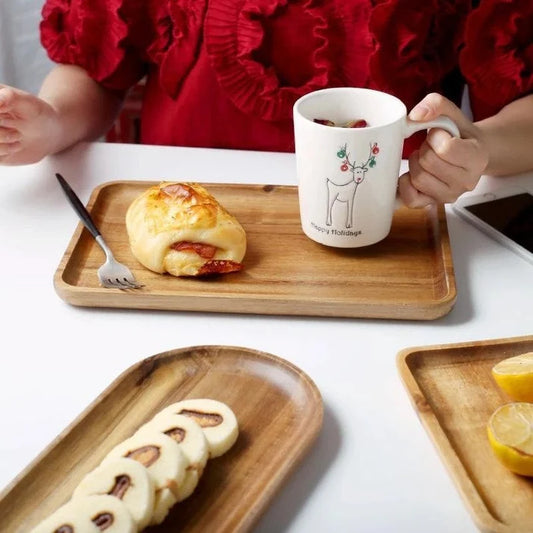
506, 215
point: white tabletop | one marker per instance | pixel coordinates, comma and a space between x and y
373, 467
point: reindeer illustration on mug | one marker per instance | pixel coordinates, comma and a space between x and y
345, 191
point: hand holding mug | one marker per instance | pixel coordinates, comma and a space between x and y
444, 167
348, 176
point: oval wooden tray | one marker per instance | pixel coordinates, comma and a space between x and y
278, 407
454, 394
408, 275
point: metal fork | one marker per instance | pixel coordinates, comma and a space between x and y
111, 274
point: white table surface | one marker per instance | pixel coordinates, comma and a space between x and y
373, 467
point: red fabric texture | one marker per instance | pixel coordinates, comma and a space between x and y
94, 35
176, 39
226, 73
419, 51
497, 58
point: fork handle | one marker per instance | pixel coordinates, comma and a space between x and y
78, 206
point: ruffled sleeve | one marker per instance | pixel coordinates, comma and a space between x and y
104, 37
497, 60
417, 51
268, 53
178, 28
417, 45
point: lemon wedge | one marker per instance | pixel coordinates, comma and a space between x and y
515, 376
510, 432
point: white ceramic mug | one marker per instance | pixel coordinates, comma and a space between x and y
347, 177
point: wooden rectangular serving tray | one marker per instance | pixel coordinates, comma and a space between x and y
409, 275
278, 408
453, 392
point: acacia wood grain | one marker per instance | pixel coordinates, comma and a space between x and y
454, 394
409, 275
278, 407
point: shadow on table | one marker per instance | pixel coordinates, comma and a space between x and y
291, 498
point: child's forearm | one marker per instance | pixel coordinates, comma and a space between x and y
84, 108
509, 138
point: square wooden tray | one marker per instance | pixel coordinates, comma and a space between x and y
454, 394
278, 407
409, 275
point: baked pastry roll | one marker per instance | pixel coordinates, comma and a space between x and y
181, 229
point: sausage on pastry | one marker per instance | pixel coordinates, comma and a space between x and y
181, 229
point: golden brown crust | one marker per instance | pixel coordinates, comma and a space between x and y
174, 227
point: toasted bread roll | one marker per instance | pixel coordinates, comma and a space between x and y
181, 229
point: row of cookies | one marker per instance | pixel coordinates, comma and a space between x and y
141, 478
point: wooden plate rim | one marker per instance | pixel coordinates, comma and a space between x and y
149, 364
405, 358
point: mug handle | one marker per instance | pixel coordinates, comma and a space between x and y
412, 126
442, 122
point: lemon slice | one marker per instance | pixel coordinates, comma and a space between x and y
515, 377
510, 432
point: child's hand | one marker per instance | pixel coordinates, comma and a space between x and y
444, 167
29, 127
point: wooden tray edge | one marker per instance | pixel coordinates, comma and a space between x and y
62, 288
147, 365
278, 306
447, 257
104, 298
482, 517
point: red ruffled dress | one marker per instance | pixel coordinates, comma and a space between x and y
226, 73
